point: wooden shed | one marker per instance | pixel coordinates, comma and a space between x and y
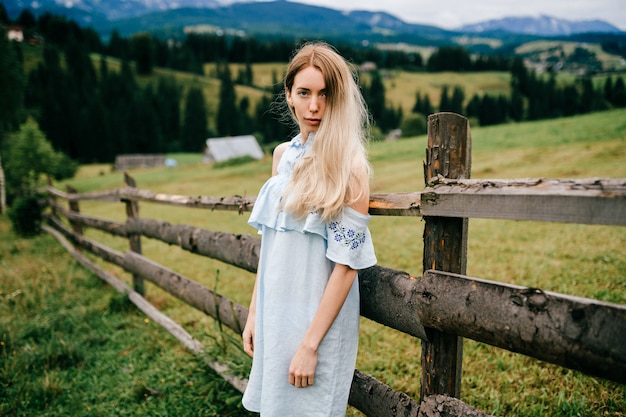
222, 149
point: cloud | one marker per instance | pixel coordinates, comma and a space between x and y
450, 14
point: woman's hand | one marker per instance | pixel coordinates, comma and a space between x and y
302, 368
248, 335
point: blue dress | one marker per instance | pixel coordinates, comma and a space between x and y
295, 263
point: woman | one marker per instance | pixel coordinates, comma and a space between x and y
302, 328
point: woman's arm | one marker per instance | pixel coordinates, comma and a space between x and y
304, 362
248, 330
278, 153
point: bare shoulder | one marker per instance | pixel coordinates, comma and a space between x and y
278, 153
360, 187
280, 149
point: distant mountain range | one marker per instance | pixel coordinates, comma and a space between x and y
541, 26
287, 18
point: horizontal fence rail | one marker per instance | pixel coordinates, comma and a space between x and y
577, 333
587, 201
192, 344
367, 394
584, 201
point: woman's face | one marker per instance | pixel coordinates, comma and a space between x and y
307, 98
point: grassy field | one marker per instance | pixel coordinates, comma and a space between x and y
544, 50
70, 346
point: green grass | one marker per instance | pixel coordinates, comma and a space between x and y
70, 346
72, 341
401, 87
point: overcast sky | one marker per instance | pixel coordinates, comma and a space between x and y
450, 14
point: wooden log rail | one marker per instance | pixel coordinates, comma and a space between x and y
573, 332
367, 394
578, 333
192, 344
584, 201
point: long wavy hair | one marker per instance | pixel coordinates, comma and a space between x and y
336, 171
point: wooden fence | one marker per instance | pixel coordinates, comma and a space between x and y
126, 162
441, 307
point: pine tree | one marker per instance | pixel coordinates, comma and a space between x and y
11, 99
375, 98
12, 85
422, 105
26, 19
227, 114
418, 103
444, 101
619, 93
571, 100
519, 77
457, 99
502, 109
4, 17
473, 107
245, 120
144, 53
118, 46
194, 130
608, 89
587, 98
487, 114
516, 106
168, 98
142, 123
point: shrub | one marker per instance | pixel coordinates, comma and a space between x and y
25, 216
240, 160
64, 167
414, 124
30, 157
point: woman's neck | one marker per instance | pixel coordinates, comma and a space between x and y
306, 136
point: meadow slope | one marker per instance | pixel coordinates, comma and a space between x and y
69, 343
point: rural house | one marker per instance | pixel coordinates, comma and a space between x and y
222, 149
15, 33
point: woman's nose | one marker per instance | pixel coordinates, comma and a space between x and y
313, 104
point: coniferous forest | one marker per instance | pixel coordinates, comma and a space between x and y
92, 113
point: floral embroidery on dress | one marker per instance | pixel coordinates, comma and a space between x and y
348, 237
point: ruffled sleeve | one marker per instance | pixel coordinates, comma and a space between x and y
349, 240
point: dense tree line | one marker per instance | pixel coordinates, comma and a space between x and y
458, 59
195, 49
94, 114
25, 154
532, 97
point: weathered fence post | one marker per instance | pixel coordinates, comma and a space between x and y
134, 240
3, 193
445, 247
73, 205
51, 200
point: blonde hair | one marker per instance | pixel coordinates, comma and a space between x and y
335, 172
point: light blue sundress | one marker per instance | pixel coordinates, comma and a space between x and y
296, 260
